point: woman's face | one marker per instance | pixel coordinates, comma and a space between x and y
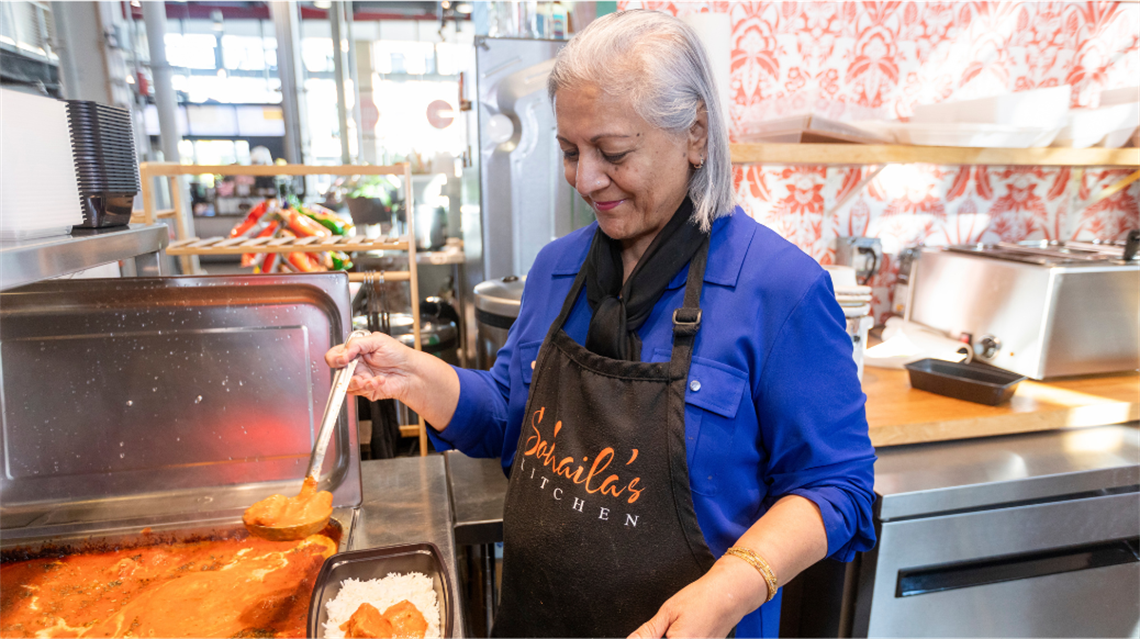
633, 174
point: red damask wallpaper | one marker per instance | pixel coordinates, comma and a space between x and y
889, 56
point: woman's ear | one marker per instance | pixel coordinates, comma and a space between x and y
699, 137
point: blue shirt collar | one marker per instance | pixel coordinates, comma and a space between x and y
731, 237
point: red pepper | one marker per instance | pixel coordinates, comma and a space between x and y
269, 263
250, 220
297, 261
248, 259
304, 226
300, 261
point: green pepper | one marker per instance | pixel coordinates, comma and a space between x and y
341, 261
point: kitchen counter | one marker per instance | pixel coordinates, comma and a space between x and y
406, 501
898, 414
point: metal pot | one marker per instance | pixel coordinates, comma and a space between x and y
496, 309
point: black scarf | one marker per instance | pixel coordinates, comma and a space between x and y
619, 310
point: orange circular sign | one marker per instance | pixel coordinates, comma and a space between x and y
440, 114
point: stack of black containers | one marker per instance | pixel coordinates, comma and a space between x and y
105, 162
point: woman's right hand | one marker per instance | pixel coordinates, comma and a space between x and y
389, 370
383, 371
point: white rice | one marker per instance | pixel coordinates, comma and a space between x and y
382, 593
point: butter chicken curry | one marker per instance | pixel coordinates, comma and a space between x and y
236, 587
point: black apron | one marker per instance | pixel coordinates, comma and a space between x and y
599, 527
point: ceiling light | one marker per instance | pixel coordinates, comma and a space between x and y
322, 4
464, 8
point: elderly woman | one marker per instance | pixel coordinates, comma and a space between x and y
676, 406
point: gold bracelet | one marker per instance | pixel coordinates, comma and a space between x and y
761, 566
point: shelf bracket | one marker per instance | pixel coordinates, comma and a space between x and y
835, 208
1109, 191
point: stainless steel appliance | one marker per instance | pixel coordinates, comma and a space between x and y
173, 402
1040, 309
526, 201
1023, 536
496, 308
865, 254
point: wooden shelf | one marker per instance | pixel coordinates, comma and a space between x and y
169, 169
188, 246
242, 245
899, 154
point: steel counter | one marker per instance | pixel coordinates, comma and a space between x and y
981, 537
478, 488
1024, 535
406, 500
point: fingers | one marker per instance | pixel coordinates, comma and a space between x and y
372, 388
340, 355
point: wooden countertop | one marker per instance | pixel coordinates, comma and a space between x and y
898, 414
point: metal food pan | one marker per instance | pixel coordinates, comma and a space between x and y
134, 401
377, 563
155, 536
142, 534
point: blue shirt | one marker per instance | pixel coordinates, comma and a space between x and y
778, 409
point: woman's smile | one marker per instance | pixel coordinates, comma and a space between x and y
602, 207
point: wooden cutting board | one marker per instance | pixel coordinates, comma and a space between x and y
898, 414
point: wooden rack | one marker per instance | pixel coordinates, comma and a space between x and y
185, 246
881, 155
820, 154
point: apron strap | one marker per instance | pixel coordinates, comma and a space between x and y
567, 305
687, 319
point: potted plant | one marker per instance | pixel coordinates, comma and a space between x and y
370, 199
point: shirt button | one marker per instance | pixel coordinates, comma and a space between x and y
694, 386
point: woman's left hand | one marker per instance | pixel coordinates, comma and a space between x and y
710, 606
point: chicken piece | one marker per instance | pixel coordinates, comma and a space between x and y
279, 511
407, 620
367, 623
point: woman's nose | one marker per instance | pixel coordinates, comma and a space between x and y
590, 177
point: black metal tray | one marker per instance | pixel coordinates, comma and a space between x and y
971, 382
376, 563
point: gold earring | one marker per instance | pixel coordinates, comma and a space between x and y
699, 165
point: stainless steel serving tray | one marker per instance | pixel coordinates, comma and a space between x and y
85, 539
148, 401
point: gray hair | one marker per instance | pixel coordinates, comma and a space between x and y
660, 63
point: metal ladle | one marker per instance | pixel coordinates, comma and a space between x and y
328, 424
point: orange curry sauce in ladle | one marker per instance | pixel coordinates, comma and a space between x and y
279, 511
283, 518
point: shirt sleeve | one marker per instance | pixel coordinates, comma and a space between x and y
813, 423
479, 426
480, 418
